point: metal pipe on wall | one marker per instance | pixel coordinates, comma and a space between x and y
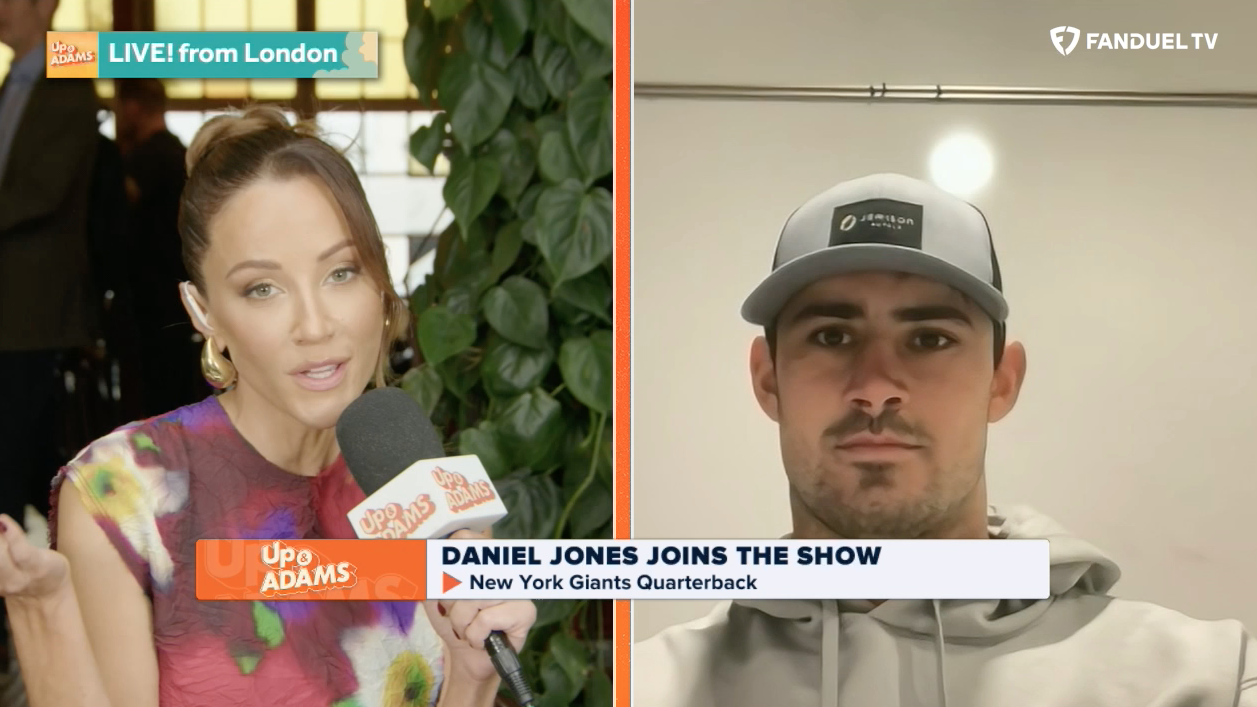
998, 95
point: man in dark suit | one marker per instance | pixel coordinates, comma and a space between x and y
155, 174
48, 306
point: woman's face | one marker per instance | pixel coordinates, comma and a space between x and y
287, 296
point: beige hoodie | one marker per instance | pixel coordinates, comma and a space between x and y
1079, 648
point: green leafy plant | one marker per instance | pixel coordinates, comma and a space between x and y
514, 324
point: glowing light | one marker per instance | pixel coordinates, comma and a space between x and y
962, 164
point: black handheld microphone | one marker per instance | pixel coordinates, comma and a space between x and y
383, 434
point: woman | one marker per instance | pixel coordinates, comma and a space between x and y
290, 289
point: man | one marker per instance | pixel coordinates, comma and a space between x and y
883, 361
47, 151
155, 174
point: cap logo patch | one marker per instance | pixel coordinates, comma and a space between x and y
877, 221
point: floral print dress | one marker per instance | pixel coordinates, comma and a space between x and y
157, 486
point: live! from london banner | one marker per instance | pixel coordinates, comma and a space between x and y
408, 570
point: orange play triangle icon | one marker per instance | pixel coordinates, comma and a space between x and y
448, 582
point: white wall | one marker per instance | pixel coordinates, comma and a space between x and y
1126, 238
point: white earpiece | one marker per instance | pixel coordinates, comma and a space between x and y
194, 306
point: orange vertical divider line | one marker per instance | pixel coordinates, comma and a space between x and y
622, 182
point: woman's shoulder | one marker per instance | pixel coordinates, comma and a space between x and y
130, 480
155, 442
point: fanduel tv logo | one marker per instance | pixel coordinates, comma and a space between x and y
1065, 39
1058, 38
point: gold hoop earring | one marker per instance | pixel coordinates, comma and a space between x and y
218, 371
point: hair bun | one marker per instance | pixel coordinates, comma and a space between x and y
250, 121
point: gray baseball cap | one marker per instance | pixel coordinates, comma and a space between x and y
882, 222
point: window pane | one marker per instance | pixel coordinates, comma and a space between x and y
397, 253
183, 124
100, 15
393, 79
386, 142
226, 15
343, 129
418, 119
185, 88
226, 88
387, 18
405, 204
278, 16
175, 15
273, 15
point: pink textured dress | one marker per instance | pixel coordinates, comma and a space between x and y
157, 486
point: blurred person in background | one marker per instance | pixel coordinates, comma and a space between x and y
153, 161
289, 285
48, 142
883, 363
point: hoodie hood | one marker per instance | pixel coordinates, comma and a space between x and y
1077, 567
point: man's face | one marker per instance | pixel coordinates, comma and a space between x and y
883, 388
22, 22
126, 120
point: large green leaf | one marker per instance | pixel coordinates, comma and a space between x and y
589, 127
559, 688
466, 258
443, 333
531, 426
552, 610
594, 16
593, 58
505, 249
460, 373
470, 186
445, 9
529, 88
593, 509
421, 52
528, 202
427, 142
463, 299
456, 79
557, 160
423, 383
421, 298
586, 367
510, 22
484, 43
552, 18
518, 160
570, 655
481, 104
555, 64
510, 369
482, 441
518, 310
574, 228
589, 293
598, 692
535, 506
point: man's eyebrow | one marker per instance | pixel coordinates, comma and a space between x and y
272, 265
933, 313
850, 310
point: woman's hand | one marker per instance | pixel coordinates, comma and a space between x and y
465, 624
28, 572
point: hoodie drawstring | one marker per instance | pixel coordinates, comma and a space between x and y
831, 631
942, 654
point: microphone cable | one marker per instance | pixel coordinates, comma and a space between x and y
506, 662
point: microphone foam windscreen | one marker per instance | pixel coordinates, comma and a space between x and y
383, 432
